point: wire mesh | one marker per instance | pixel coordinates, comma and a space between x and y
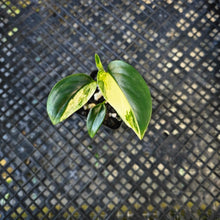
59, 172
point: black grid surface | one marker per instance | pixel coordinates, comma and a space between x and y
59, 172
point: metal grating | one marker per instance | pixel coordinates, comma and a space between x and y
49, 172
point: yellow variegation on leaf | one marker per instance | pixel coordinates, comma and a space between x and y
69, 95
127, 92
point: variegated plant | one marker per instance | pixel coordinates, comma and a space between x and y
121, 86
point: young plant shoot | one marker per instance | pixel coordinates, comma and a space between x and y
122, 87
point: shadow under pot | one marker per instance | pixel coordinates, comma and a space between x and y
112, 119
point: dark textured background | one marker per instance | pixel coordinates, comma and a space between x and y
59, 172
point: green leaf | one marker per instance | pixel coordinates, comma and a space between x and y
95, 118
126, 91
98, 63
69, 95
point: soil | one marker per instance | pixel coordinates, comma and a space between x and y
112, 119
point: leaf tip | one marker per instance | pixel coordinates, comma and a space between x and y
140, 136
98, 63
91, 134
97, 59
53, 120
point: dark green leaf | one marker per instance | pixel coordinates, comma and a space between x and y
69, 95
95, 118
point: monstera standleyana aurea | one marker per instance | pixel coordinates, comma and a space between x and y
121, 86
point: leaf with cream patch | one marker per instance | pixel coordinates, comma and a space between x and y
69, 95
126, 91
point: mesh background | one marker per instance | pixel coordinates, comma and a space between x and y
59, 172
